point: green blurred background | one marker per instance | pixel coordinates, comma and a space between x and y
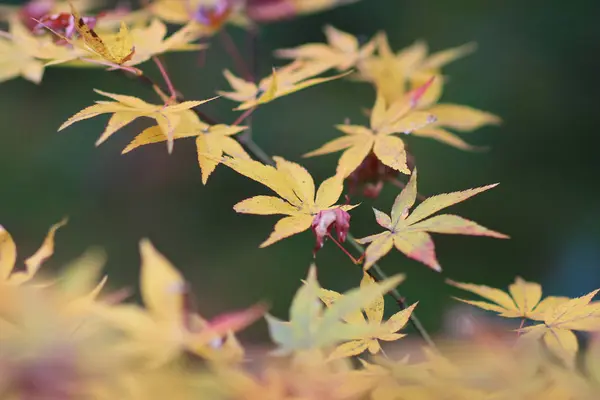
537, 66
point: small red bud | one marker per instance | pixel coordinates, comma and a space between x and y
325, 221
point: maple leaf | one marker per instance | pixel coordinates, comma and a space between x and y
311, 327
117, 50
386, 120
456, 117
409, 233
150, 41
283, 81
18, 54
215, 140
559, 322
125, 109
297, 190
374, 311
342, 51
8, 257
166, 326
73, 292
394, 73
523, 300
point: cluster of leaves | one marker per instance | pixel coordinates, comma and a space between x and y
69, 337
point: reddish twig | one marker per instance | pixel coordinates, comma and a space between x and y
235, 55
356, 261
244, 115
166, 78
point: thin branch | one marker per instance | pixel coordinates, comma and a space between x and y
255, 149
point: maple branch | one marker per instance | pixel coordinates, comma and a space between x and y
375, 271
166, 77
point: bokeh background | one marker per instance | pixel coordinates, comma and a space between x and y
536, 66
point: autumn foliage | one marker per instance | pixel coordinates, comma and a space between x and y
72, 335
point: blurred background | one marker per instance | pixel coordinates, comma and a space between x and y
536, 66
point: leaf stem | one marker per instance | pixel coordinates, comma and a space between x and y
356, 261
245, 115
521, 327
235, 55
166, 77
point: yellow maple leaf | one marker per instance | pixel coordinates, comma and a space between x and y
409, 233
297, 190
394, 73
523, 300
283, 81
18, 51
125, 109
215, 140
312, 328
455, 117
342, 51
559, 322
386, 120
118, 50
73, 291
151, 40
167, 326
8, 256
374, 316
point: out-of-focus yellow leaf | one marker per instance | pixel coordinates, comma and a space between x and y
283, 81
565, 316
8, 254
168, 325
8, 273
310, 327
522, 301
342, 51
374, 316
